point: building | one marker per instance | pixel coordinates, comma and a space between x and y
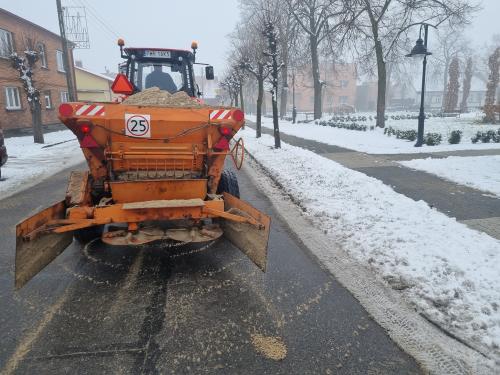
49, 74
92, 87
366, 96
339, 91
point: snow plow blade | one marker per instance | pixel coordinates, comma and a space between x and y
35, 247
250, 239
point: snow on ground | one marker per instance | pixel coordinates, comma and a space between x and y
448, 271
29, 163
376, 142
480, 172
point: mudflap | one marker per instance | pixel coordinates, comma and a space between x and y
250, 239
34, 252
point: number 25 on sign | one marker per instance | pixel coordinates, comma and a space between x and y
138, 125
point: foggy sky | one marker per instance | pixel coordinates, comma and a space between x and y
147, 23
156, 23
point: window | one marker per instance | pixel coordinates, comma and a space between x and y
60, 61
343, 100
6, 47
12, 98
48, 100
64, 97
41, 52
344, 83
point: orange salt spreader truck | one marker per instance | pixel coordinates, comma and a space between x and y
155, 172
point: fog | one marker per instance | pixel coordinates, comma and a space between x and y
158, 23
151, 23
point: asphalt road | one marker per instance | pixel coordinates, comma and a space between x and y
160, 309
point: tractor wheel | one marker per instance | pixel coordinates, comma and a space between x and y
228, 184
86, 235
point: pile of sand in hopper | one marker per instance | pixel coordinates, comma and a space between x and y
156, 97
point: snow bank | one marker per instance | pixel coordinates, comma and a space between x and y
29, 163
480, 172
448, 271
376, 142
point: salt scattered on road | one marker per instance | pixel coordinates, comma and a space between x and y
479, 172
29, 163
449, 272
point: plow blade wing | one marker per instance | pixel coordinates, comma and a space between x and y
36, 251
250, 239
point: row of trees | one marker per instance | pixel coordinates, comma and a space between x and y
374, 33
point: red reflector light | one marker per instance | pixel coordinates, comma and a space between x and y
85, 128
225, 131
238, 115
121, 85
65, 110
222, 144
88, 142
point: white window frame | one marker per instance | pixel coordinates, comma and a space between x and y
344, 83
60, 61
64, 97
47, 100
6, 35
12, 98
43, 55
344, 99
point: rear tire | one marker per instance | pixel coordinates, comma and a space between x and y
228, 184
86, 235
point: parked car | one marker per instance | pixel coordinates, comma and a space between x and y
3, 152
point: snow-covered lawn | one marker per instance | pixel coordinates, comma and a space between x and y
480, 172
376, 142
29, 163
449, 272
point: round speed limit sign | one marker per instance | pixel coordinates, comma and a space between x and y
138, 125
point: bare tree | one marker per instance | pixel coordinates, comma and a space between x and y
25, 66
491, 88
453, 86
318, 19
385, 23
249, 45
466, 84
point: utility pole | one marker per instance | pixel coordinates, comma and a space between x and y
65, 50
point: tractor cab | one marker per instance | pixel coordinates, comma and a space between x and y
168, 69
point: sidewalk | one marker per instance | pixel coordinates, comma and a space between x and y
475, 208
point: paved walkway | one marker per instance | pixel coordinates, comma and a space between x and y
475, 208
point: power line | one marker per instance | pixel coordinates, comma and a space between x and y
101, 20
97, 20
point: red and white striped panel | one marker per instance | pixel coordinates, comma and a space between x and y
90, 110
220, 114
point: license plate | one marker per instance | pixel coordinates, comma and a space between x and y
157, 54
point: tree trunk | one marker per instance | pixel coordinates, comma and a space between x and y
36, 116
284, 92
236, 102
316, 77
260, 97
242, 102
466, 85
382, 84
445, 83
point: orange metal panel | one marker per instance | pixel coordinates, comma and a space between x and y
119, 215
149, 190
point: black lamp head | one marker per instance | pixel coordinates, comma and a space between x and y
419, 50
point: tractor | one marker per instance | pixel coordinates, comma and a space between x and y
155, 172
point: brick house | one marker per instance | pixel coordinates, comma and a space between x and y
339, 92
49, 75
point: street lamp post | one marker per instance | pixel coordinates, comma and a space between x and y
419, 50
